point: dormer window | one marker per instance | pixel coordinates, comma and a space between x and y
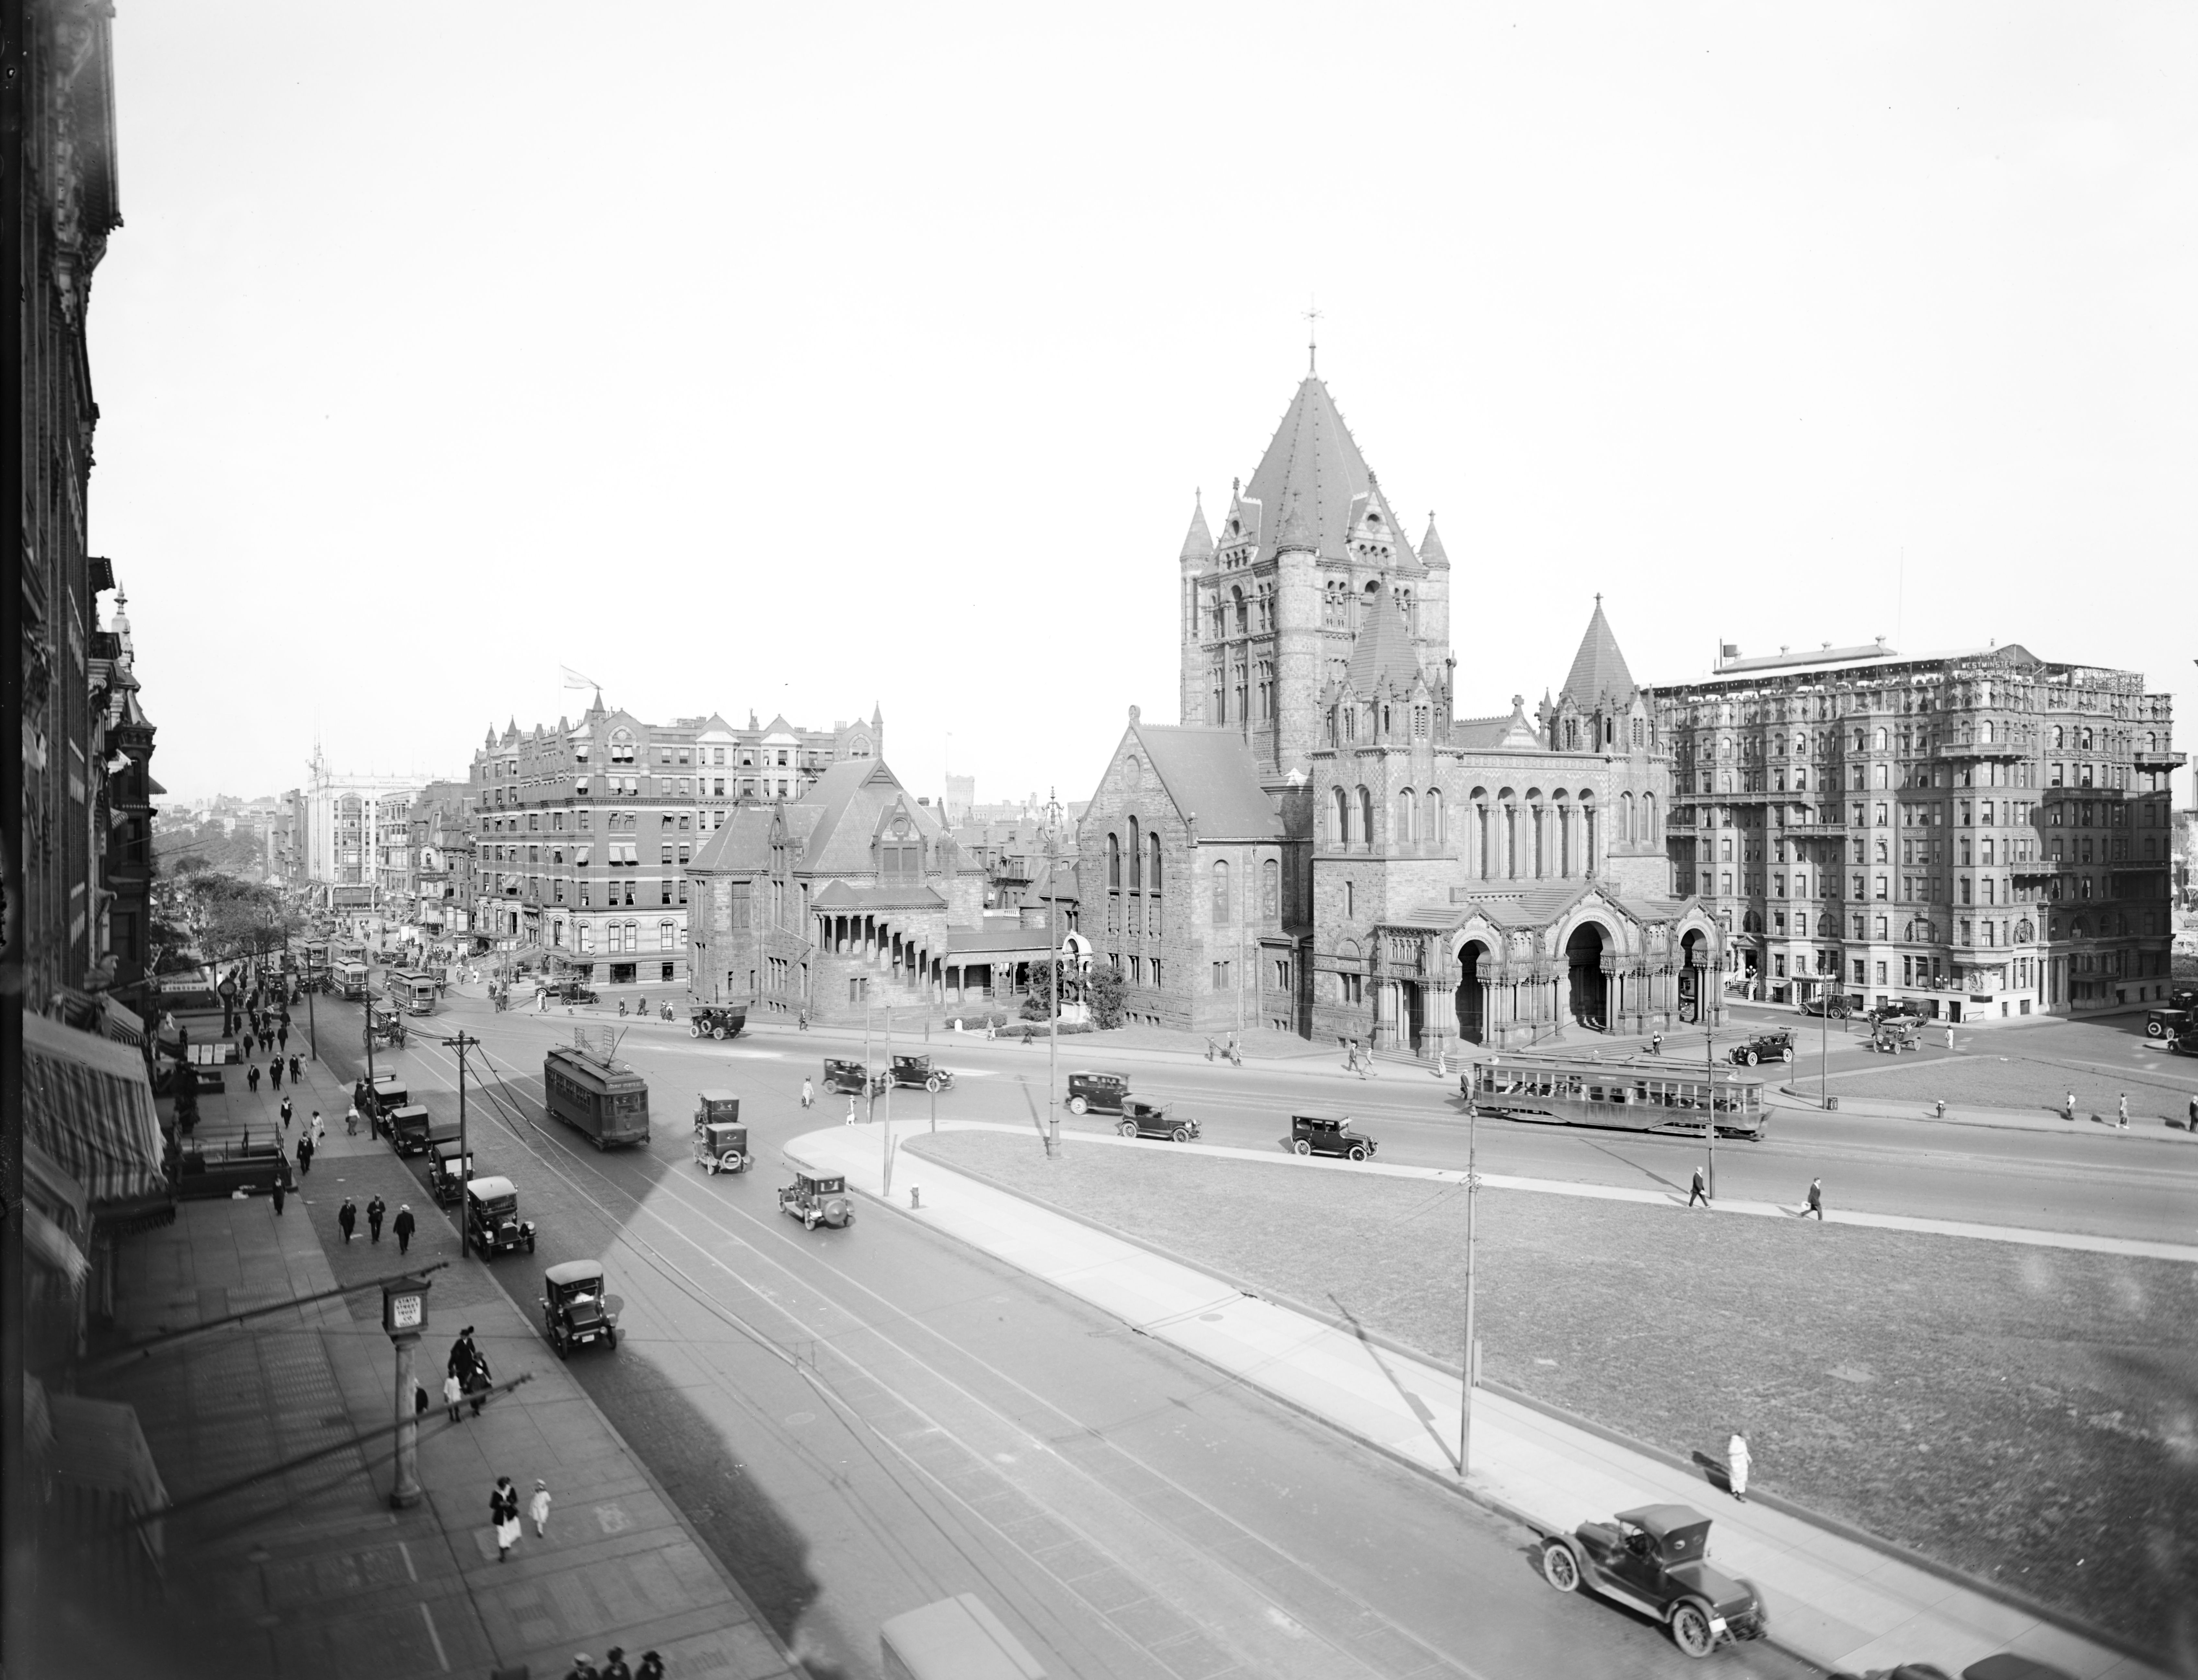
622, 746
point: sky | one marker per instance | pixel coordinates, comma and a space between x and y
804, 359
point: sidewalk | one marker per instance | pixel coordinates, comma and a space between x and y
1833, 1600
311, 1576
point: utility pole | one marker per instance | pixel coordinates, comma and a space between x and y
885, 1136
1053, 1024
462, 1043
1709, 1066
1470, 1372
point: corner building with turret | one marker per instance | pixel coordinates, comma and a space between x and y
1322, 845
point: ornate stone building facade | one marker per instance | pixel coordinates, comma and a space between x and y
1323, 846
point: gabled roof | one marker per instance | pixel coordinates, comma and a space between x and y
1383, 647
1598, 669
1313, 466
1504, 730
1208, 773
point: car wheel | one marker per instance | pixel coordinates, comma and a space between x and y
1077, 1105
693, 1031
1357, 1152
1750, 1058
809, 1222
931, 1085
1180, 1135
716, 1032
610, 1339
1128, 1128
558, 1341
1786, 1055
1560, 1568
530, 1245
1303, 1146
2152, 1029
1690, 1629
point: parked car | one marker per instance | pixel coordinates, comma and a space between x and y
917, 1070
817, 1200
570, 991
448, 1170
387, 1094
1764, 1047
1093, 1093
1656, 1560
2165, 1023
852, 1077
1835, 1004
1893, 1037
720, 1147
492, 1222
716, 1107
1318, 1135
575, 1310
414, 1131
716, 1020
1141, 1119
1899, 1008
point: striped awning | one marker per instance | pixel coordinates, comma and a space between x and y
87, 1103
123, 1024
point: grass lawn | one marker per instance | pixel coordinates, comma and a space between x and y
1990, 1079
2030, 1415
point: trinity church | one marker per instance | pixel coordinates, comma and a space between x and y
1322, 845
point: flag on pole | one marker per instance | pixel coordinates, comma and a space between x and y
572, 679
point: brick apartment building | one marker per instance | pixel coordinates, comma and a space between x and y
1984, 831
584, 834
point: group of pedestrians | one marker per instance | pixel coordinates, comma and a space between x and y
377, 1210
1356, 1060
1812, 1202
615, 1667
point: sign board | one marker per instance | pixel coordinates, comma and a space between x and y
405, 1306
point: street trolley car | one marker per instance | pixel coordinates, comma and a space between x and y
1638, 1095
412, 990
601, 1098
352, 980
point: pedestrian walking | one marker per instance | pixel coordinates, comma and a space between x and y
283, 1037
1816, 1202
541, 1001
454, 1394
403, 1227
251, 1078
319, 1130
419, 1400
1949, 1037
351, 1121
652, 1667
851, 1109
347, 1217
376, 1210
1655, 1043
286, 1113
2121, 1111
503, 1512
304, 1154
477, 1387
274, 1072
581, 1668
463, 1353
539, 1507
297, 1070
245, 1039
1700, 1192
1735, 1466
282, 1189
614, 1667
808, 1095
2190, 1123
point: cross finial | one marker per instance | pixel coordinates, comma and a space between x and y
1312, 335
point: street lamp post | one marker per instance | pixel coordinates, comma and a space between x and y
1709, 1064
1470, 1370
1053, 1024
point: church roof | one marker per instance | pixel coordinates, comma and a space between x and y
835, 821
1198, 541
1509, 729
1313, 463
1209, 773
1383, 647
1598, 669
1431, 552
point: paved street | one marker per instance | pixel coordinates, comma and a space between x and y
861, 1421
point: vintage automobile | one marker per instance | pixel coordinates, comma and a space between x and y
722, 1147
384, 1097
716, 1020
1893, 1037
852, 1077
715, 1106
1318, 1135
414, 1131
917, 1070
2165, 1023
1831, 1004
448, 1169
493, 1221
1141, 1119
570, 991
1764, 1047
2000, 1666
2185, 1042
575, 1310
1899, 1008
816, 1199
1656, 1560
1097, 1093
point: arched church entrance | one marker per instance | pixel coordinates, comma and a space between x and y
1691, 977
1587, 988
1472, 994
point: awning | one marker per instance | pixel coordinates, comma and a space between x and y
124, 1025
97, 1444
86, 1102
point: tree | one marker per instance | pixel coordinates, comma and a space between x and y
236, 918
1099, 988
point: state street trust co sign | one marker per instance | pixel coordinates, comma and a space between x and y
404, 1307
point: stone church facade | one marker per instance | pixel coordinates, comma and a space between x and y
1323, 846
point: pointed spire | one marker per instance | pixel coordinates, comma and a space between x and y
1383, 649
1599, 670
1198, 542
1431, 552
1314, 461
1296, 533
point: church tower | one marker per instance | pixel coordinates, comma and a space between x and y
1309, 554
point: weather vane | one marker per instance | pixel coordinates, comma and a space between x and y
1313, 334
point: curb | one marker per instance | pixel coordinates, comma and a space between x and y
2012, 1598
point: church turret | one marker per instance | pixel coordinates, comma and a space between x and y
1594, 708
1434, 592
1196, 561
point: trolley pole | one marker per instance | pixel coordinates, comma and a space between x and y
1053, 1023
1470, 1372
885, 1132
1709, 1071
462, 1043
312, 1031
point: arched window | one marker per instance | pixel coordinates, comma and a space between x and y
2087, 739
1408, 815
1243, 617
1221, 912
1271, 889
1649, 818
1984, 733
1434, 817
1625, 818
1136, 856
2059, 737
1114, 860
1152, 863
1881, 738
1365, 816
1340, 817
666, 935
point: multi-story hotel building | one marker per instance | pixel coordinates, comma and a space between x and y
584, 834
1983, 831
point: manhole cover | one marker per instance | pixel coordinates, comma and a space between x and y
795, 1420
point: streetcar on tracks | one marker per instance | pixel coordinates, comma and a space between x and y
414, 990
597, 1096
1637, 1095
